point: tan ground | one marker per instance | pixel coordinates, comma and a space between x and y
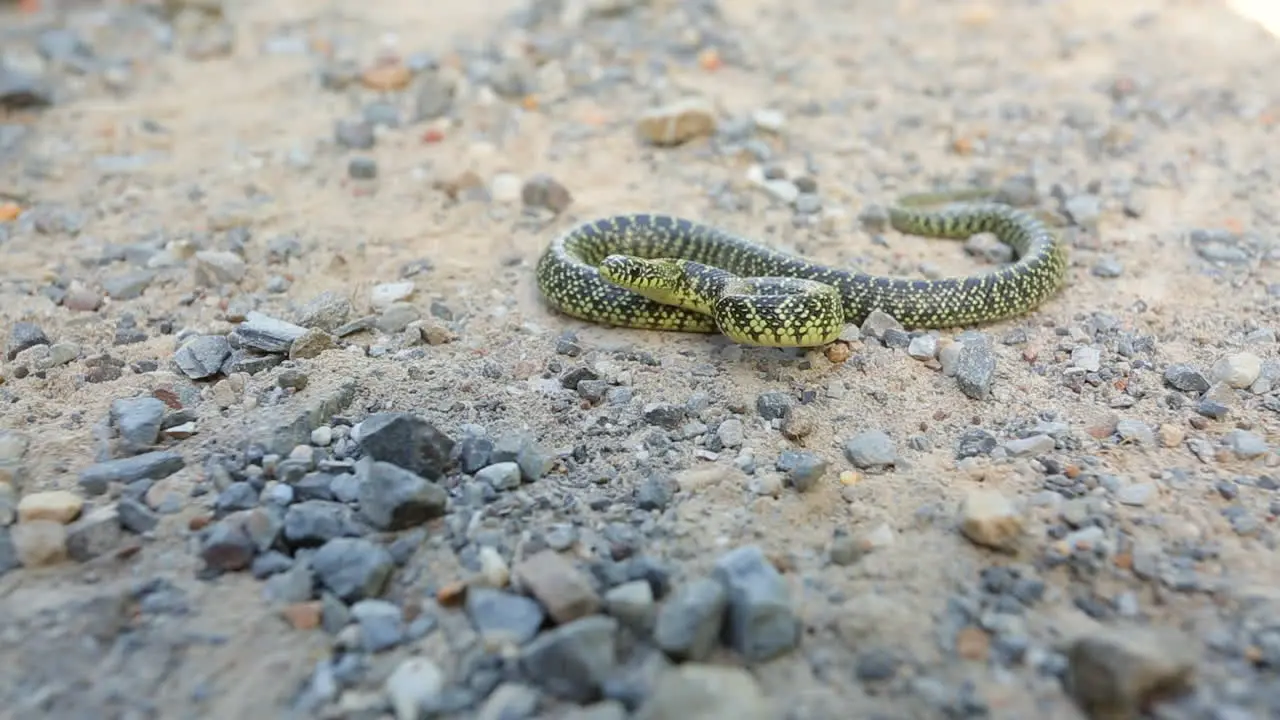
230, 123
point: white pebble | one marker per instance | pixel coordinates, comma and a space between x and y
1086, 358
385, 294
413, 686
769, 119
505, 188
1239, 370
1137, 494
322, 436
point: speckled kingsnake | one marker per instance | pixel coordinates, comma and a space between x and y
658, 272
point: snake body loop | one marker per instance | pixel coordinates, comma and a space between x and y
659, 272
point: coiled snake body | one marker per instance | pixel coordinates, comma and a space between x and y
659, 272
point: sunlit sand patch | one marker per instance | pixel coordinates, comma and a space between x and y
1264, 12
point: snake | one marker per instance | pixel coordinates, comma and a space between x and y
653, 271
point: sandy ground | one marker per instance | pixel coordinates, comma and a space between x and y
1149, 128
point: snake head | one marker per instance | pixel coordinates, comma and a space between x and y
665, 280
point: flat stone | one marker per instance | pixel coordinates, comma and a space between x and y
690, 619
873, 449
572, 661
155, 465
406, 440
989, 519
39, 543
202, 356
696, 691
563, 590
760, 622
268, 334
394, 498
281, 429
218, 267
503, 616
58, 506
413, 687
678, 122
137, 421
94, 535
1116, 672
353, 568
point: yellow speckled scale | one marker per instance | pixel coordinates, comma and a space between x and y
658, 272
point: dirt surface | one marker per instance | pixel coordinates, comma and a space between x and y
1055, 516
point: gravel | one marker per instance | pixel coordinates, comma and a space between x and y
309, 426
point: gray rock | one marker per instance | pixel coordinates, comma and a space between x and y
219, 267
127, 285
202, 356
524, 452
500, 476
94, 534
474, 451
228, 546
774, 405
873, 449
8, 552
1030, 446
21, 90
1183, 377
407, 441
268, 334
632, 603
761, 623
1118, 671
296, 583
572, 661
280, 430
1087, 358
135, 516
688, 623
433, 97
316, 522
655, 493
270, 563
1246, 445
137, 421
663, 415
697, 691
1084, 210
878, 322
354, 134
24, 336
975, 367
382, 625
353, 568
1107, 267
241, 495
362, 168
326, 311
510, 701
923, 347
731, 433
1135, 431
500, 615
154, 465
1136, 494
802, 468
393, 498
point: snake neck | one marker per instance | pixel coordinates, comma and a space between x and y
699, 287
